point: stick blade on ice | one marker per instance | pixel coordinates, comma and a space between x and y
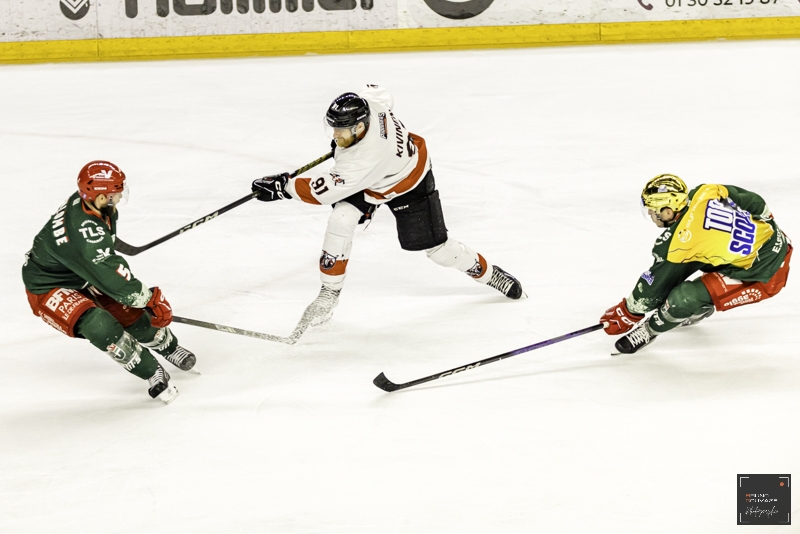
384, 383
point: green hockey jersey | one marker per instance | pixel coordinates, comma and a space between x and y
723, 229
75, 249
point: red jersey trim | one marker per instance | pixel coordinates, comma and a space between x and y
302, 186
409, 182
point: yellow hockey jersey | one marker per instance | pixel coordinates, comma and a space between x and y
715, 231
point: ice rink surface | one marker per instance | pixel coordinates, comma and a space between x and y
539, 155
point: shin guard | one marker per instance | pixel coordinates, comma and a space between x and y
103, 331
132, 356
686, 300
337, 244
163, 342
453, 253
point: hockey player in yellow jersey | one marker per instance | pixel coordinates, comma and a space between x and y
724, 231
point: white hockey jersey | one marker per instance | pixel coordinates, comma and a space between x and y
386, 163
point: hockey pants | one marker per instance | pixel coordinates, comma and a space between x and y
338, 243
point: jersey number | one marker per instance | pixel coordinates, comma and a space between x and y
319, 186
412, 148
124, 273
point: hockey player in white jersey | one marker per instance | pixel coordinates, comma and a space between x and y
377, 161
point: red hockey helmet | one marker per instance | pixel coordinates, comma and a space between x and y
100, 178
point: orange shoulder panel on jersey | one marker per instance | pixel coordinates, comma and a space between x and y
409, 182
302, 187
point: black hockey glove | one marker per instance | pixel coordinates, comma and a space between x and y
271, 188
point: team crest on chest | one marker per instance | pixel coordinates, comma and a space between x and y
91, 231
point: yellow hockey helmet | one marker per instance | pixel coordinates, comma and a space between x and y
665, 191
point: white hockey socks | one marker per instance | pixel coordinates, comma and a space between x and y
453, 253
337, 244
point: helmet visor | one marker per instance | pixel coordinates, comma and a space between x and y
645, 210
343, 137
119, 198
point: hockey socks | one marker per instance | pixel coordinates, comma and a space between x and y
163, 342
688, 302
104, 332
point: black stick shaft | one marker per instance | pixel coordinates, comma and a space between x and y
132, 250
387, 385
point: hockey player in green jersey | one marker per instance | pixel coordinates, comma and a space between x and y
724, 231
77, 283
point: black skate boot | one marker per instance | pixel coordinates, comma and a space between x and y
181, 358
505, 283
694, 319
160, 388
635, 340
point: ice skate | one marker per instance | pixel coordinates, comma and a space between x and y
321, 310
505, 283
160, 388
635, 340
694, 319
181, 358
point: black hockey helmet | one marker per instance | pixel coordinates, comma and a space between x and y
346, 111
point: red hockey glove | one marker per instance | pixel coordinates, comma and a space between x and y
619, 319
159, 308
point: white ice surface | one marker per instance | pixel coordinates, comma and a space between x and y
539, 156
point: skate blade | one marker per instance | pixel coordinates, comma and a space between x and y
168, 395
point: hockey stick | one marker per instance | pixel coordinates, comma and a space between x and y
294, 337
131, 250
232, 330
387, 385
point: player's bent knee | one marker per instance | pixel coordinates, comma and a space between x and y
686, 299
142, 329
446, 254
99, 327
343, 219
678, 300
149, 336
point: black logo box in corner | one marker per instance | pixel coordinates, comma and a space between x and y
764, 499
